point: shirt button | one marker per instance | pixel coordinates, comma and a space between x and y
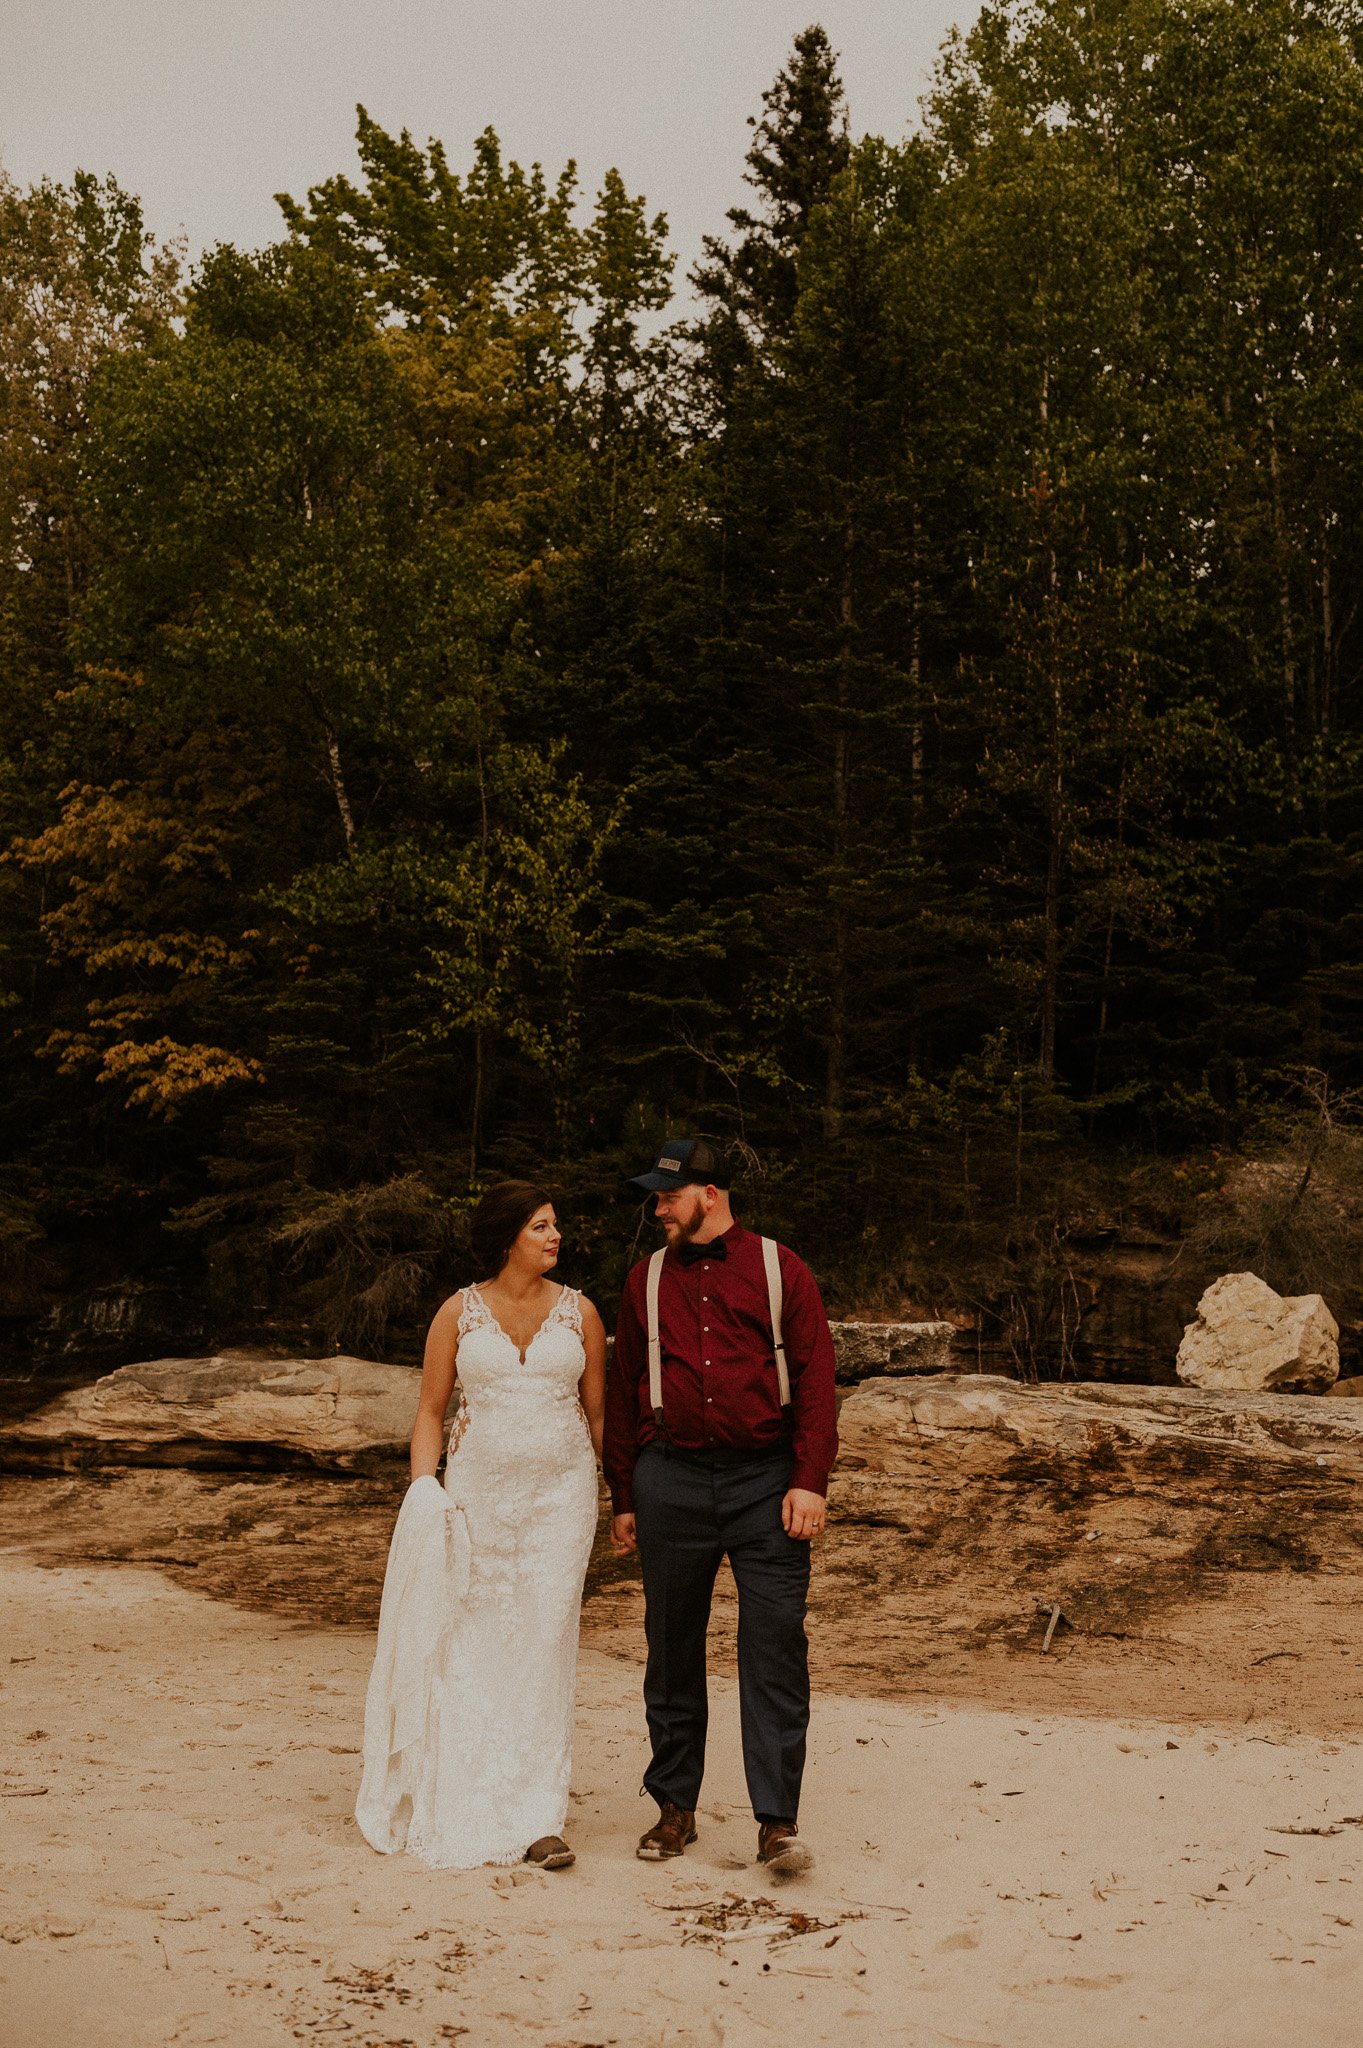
705, 1329
709, 1400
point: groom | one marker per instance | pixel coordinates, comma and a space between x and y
718, 1467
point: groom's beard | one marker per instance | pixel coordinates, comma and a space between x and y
686, 1230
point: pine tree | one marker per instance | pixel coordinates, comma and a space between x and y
800, 145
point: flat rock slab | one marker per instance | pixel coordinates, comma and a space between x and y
235, 1408
971, 1422
238, 1408
870, 1350
354, 1415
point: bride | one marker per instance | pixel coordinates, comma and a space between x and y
468, 1721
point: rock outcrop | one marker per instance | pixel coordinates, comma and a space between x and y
969, 1424
1248, 1338
239, 1409
964, 1510
232, 1409
869, 1350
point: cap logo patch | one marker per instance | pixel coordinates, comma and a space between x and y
669, 1166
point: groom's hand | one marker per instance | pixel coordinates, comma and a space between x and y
802, 1514
623, 1538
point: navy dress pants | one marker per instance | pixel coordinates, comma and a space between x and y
692, 1509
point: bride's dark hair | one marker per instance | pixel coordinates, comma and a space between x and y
499, 1219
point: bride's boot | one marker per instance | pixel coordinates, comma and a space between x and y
550, 1852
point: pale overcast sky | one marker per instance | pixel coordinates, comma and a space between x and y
206, 108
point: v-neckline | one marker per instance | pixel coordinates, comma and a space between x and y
543, 1323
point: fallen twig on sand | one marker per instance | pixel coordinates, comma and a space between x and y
734, 1918
1348, 1820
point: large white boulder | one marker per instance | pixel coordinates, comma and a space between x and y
1249, 1339
233, 1408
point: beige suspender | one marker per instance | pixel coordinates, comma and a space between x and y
655, 1348
771, 1259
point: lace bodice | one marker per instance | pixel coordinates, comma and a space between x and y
537, 1382
475, 1314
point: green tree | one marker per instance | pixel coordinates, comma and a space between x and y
825, 502
431, 242
81, 280
799, 146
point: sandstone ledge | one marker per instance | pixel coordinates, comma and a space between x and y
973, 1424
870, 1350
230, 1410
237, 1410
242, 1408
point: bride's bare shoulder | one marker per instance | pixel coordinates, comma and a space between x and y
591, 1315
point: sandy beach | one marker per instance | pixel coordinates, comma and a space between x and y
181, 1865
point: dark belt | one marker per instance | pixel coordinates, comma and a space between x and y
722, 1454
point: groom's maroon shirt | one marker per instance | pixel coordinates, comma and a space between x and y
719, 1367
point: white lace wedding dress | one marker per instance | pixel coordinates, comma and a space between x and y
468, 1722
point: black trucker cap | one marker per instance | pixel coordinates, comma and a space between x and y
682, 1163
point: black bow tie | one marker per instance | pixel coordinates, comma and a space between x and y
692, 1254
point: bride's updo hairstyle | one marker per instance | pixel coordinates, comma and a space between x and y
498, 1221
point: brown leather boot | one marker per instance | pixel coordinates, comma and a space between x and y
780, 1849
674, 1828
